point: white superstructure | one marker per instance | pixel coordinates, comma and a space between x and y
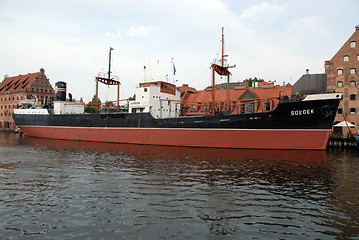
161, 99
64, 107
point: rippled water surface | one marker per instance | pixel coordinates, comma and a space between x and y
53, 189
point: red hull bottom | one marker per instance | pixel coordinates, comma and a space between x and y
218, 138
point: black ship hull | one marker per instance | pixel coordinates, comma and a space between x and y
292, 125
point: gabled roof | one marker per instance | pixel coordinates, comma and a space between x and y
239, 94
345, 49
18, 83
248, 94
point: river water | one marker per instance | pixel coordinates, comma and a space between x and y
55, 189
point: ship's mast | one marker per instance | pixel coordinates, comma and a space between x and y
108, 81
109, 63
223, 71
222, 61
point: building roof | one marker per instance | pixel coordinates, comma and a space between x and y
239, 94
310, 84
186, 88
18, 83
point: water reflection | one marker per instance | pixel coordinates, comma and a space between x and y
68, 189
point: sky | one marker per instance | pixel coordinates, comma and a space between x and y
276, 40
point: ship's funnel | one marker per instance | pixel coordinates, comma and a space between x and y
60, 91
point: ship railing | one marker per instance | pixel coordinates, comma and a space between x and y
233, 107
109, 106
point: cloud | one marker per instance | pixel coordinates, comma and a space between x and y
139, 31
215, 4
262, 11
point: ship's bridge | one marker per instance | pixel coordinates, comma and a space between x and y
161, 99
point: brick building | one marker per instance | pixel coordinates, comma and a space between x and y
242, 99
343, 76
15, 89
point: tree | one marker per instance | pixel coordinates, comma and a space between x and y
91, 105
252, 80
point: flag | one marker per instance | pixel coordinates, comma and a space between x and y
174, 69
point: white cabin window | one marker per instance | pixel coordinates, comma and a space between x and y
353, 44
346, 58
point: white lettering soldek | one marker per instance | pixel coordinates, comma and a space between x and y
302, 112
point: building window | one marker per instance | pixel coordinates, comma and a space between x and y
340, 71
353, 44
352, 97
194, 108
352, 111
346, 58
340, 110
340, 84
352, 83
250, 108
357, 57
352, 71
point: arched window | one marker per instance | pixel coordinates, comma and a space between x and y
340, 84
352, 71
346, 58
352, 97
340, 71
353, 44
352, 111
352, 83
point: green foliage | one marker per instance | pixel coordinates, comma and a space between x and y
89, 108
252, 80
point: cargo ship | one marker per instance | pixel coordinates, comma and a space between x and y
156, 117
